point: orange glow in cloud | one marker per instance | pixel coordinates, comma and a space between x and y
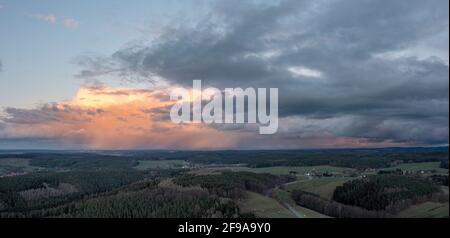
120, 118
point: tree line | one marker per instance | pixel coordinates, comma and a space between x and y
233, 184
384, 192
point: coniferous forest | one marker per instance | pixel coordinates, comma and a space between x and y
346, 183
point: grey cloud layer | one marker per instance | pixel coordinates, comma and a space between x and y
48, 113
402, 99
362, 91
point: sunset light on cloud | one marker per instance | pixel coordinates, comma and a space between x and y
101, 117
105, 118
105, 83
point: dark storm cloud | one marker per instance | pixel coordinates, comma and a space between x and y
329, 59
48, 113
28, 116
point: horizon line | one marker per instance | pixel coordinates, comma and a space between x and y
223, 150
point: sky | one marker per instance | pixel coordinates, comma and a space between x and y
97, 74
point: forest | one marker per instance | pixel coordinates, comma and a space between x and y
386, 192
232, 185
123, 194
351, 158
378, 196
342, 183
334, 209
47, 189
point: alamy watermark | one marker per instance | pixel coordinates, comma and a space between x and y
228, 106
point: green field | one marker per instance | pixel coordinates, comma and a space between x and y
264, 207
284, 197
285, 170
445, 189
426, 210
415, 167
9, 166
323, 187
161, 164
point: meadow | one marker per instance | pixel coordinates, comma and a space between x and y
324, 187
11, 166
161, 164
426, 210
417, 167
264, 207
300, 171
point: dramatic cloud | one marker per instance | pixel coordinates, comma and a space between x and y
112, 118
349, 72
365, 67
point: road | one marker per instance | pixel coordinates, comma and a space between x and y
294, 211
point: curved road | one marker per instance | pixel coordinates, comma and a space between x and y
294, 211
